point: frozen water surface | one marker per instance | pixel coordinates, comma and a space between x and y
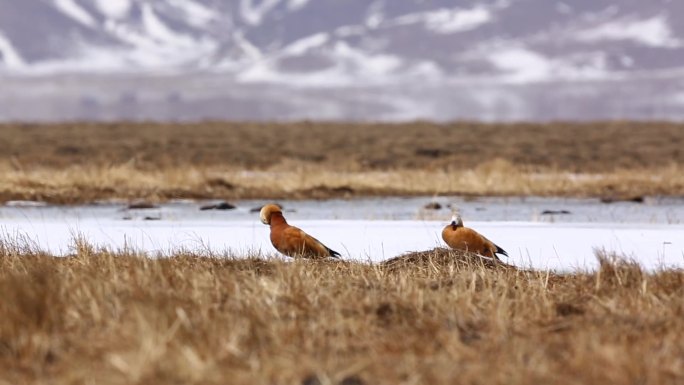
374, 229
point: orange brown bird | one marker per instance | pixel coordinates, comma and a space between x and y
291, 240
462, 238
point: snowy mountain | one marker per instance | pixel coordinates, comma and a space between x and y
341, 59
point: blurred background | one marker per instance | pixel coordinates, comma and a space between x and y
398, 60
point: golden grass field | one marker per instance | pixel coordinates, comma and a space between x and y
438, 318
82, 162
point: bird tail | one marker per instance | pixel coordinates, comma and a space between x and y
333, 253
501, 251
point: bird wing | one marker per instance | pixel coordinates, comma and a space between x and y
299, 242
494, 247
467, 239
313, 242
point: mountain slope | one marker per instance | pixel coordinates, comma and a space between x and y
502, 52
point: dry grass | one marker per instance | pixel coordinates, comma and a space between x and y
574, 147
72, 163
78, 184
98, 317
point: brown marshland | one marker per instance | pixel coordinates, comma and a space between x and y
81, 162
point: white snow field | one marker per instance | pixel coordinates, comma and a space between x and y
556, 246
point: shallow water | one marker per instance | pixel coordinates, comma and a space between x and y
534, 209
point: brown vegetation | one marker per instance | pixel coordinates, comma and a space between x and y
86, 184
70, 163
429, 318
573, 147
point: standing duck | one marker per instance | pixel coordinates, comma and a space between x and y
459, 237
291, 240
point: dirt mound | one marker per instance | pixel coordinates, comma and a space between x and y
441, 257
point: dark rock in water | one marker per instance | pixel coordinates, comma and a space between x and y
218, 206
555, 212
433, 206
152, 218
142, 206
225, 206
614, 199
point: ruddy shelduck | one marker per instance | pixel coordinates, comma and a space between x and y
459, 237
291, 240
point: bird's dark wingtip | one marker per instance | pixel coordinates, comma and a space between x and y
334, 253
501, 251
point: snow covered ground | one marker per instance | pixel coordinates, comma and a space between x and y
556, 245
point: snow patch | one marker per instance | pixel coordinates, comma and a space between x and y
197, 14
9, 56
427, 70
350, 30
303, 45
373, 65
246, 46
653, 32
374, 20
352, 66
375, 15
114, 9
295, 5
522, 65
153, 45
264, 72
447, 21
254, 13
156, 28
76, 12
450, 21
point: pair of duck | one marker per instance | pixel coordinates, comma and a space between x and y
294, 242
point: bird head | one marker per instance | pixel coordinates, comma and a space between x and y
456, 220
267, 211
